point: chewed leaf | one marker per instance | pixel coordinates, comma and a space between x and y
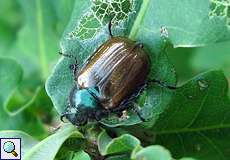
88, 27
220, 8
100, 13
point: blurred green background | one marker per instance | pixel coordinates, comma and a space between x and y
30, 33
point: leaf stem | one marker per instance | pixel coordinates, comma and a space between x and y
139, 19
42, 54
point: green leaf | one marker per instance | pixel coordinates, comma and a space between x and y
10, 77
152, 153
200, 26
48, 148
31, 54
35, 29
119, 157
187, 158
27, 142
124, 143
25, 121
10, 20
181, 58
206, 145
199, 104
206, 58
196, 122
63, 10
81, 155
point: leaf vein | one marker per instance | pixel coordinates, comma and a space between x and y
212, 144
198, 112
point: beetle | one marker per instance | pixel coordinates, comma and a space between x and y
108, 81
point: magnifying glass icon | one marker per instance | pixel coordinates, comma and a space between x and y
9, 147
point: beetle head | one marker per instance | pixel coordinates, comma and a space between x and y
77, 116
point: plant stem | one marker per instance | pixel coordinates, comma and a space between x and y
139, 19
41, 41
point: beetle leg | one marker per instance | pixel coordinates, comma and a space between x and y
162, 84
110, 28
137, 110
125, 104
65, 113
101, 113
139, 45
97, 116
137, 92
73, 67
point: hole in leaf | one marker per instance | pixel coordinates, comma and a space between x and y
100, 14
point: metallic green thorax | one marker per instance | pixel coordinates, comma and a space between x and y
83, 105
85, 98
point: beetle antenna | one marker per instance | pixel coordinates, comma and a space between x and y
162, 84
110, 28
67, 55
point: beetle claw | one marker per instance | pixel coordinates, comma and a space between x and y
62, 117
